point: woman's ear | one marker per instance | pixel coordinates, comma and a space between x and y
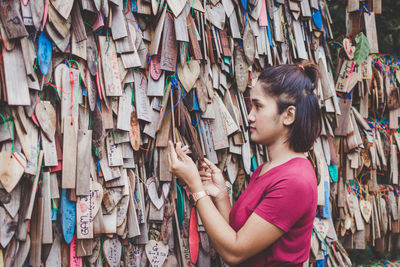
289, 116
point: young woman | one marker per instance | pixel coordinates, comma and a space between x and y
272, 221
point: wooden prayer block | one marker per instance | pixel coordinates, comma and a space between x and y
181, 24
118, 27
169, 48
84, 216
343, 119
15, 77
69, 154
12, 20
114, 152
110, 222
47, 237
125, 110
78, 48
77, 24
207, 137
194, 36
109, 65
83, 162
36, 234
141, 100
370, 28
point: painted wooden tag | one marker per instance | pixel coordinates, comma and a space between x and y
249, 45
54, 257
216, 15
63, 7
109, 64
85, 215
193, 237
47, 236
141, 100
12, 20
8, 228
348, 48
69, 154
125, 109
15, 78
169, 49
122, 210
68, 216
83, 161
50, 151
181, 28
194, 38
91, 53
23, 251
241, 71
118, 26
188, 74
157, 200
114, 152
230, 124
74, 261
44, 53
46, 116
131, 255
12, 168
13, 205
322, 226
112, 249
176, 6
366, 210
155, 70
156, 252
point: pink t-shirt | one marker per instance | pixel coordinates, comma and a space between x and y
285, 196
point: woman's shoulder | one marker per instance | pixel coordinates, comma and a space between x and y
299, 172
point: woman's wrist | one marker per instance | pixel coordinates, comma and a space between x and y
221, 195
196, 187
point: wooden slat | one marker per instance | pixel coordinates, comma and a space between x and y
36, 234
83, 162
69, 154
109, 66
77, 23
169, 49
15, 77
47, 236
12, 19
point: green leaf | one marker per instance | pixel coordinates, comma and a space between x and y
362, 49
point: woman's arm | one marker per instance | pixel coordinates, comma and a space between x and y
214, 182
223, 204
234, 247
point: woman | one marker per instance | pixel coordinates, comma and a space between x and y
271, 223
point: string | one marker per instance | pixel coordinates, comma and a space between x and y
5, 8
4, 47
174, 84
72, 81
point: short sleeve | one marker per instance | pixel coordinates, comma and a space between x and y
285, 202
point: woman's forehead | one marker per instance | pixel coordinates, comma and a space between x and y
258, 92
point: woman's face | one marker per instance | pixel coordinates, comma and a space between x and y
266, 125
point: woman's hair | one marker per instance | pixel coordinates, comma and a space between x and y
293, 85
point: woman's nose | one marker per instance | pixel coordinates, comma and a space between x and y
250, 117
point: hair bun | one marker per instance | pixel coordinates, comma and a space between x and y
311, 70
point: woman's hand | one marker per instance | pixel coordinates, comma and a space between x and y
213, 179
183, 166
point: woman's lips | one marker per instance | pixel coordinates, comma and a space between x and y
252, 129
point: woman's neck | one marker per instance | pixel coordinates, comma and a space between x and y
280, 152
